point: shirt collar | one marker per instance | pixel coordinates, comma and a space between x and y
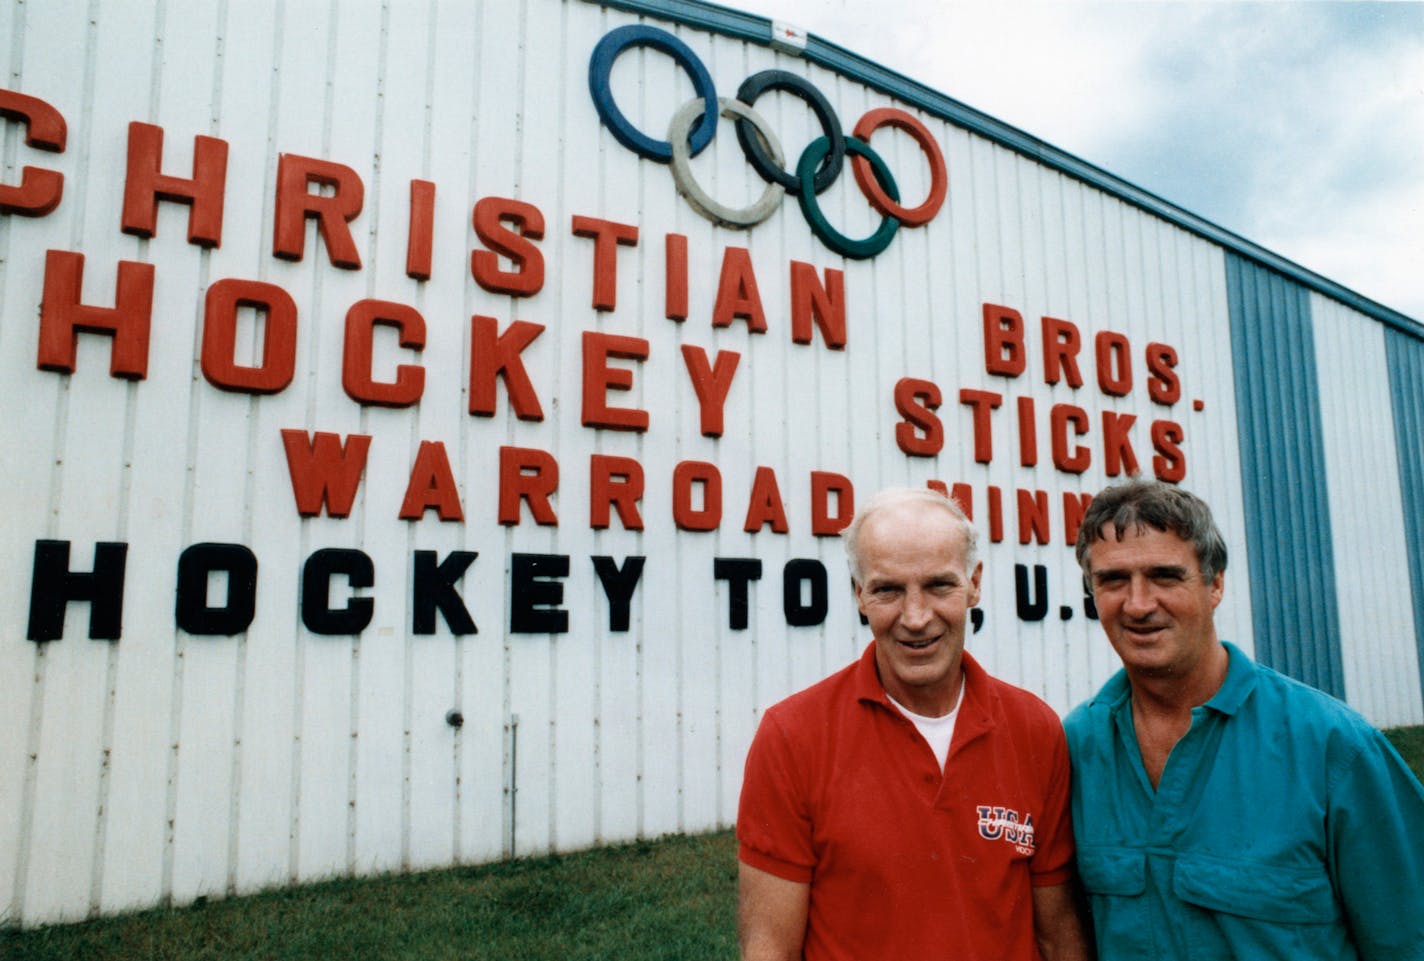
867, 684
1235, 689
1240, 682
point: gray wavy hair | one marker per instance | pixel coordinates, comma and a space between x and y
1141, 503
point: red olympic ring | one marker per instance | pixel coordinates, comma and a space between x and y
939, 176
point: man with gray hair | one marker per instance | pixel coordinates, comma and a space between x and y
909, 806
1222, 810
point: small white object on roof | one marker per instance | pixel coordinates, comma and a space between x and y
788, 38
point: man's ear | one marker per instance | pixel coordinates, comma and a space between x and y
974, 583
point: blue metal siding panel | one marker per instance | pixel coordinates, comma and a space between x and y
1406, 385
756, 29
1283, 476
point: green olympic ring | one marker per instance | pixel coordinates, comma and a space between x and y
815, 151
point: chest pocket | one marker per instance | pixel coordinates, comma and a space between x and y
1108, 872
1252, 890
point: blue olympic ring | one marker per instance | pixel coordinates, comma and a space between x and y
600, 68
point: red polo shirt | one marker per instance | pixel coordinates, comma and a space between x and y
906, 861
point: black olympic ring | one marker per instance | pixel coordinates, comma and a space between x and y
758, 84
820, 164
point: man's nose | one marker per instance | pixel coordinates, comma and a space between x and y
1140, 598
916, 613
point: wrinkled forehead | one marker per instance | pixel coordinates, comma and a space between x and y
900, 531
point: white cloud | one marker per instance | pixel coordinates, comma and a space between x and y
1298, 126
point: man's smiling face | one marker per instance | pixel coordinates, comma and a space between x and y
915, 591
1154, 604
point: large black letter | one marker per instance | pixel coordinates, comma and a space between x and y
797, 570
317, 614
618, 586
435, 588
534, 599
53, 585
1031, 608
192, 611
737, 572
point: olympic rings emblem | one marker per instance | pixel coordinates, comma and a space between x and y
695, 124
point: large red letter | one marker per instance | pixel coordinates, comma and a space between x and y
711, 382
823, 304
325, 470
982, 401
145, 186
63, 317
1114, 363
1004, 341
737, 294
599, 379
1074, 507
684, 475
1033, 516
356, 379
295, 204
40, 190
607, 237
528, 475
492, 355
1061, 343
432, 484
279, 338
1170, 464
764, 503
675, 277
1163, 384
1028, 433
614, 482
823, 485
527, 276
1077, 460
1117, 446
914, 401
420, 238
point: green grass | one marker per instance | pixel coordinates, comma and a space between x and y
1409, 742
667, 900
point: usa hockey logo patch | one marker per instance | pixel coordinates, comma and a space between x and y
997, 823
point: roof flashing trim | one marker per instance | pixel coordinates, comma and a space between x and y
760, 30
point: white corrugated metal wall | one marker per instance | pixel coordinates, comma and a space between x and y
166, 765
1371, 555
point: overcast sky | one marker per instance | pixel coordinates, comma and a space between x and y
1299, 126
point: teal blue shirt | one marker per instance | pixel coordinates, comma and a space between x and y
1284, 826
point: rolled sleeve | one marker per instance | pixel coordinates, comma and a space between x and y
1375, 823
773, 816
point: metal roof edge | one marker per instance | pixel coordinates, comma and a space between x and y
758, 29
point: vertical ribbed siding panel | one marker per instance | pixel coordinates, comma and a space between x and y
169, 766
1406, 383
1283, 475
1371, 549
